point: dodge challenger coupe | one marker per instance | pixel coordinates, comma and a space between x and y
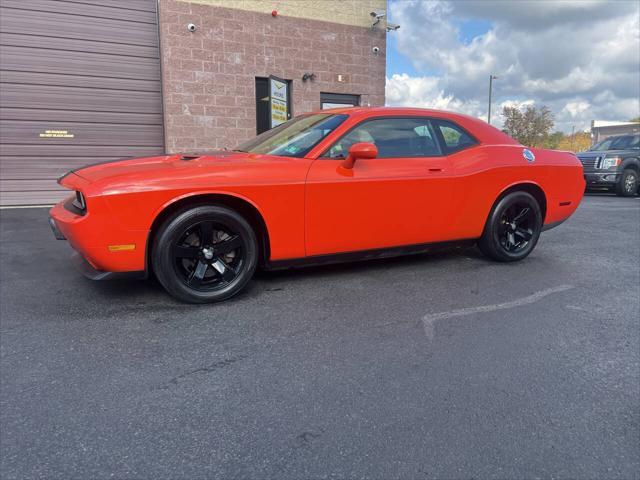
336, 185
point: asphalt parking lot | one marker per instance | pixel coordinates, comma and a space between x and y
437, 366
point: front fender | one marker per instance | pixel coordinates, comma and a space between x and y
630, 162
204, 193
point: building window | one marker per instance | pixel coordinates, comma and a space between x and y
338, 100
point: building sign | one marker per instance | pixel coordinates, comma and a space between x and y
56, 134
279, 101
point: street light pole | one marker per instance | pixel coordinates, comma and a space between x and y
491, 79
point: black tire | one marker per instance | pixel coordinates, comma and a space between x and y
205, 254
627, 186
513, 228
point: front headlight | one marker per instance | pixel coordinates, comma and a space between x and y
609, 162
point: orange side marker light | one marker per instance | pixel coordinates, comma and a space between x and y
122, 248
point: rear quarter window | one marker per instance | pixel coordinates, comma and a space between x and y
454, 137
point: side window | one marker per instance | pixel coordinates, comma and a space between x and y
394, 137
634, 144
455, 139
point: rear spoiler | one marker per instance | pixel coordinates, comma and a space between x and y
73, 181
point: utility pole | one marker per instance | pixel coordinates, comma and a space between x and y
491, 79
573, 135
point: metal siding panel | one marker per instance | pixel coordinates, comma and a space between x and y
29, 185
80, 116
112, 151
44, 168
26, 132
51, 24
75, 98
46, 197
38, 41
61, 80
87, 10
26, 59
90, 67
141, 5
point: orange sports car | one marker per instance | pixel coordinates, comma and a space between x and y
335, 185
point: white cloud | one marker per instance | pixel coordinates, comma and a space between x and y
424, 92
580, 58
519, 104
576, 108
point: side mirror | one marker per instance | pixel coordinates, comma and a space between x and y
359, 150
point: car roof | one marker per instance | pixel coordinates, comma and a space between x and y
389, 110
480, 129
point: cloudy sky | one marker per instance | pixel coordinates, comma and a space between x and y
580, 58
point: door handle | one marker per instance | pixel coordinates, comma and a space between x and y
435, 169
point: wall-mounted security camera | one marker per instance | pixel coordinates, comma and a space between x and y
375, 50
376, 15
392, 27
191, 27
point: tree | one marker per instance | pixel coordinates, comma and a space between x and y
635, 120
578, 142
530, 127
552, 141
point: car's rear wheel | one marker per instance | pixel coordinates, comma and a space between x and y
628, 184
513, 228
205, 254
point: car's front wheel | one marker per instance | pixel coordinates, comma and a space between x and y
628, 184
513, 228
205, 254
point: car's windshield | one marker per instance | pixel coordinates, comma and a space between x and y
626, 142
294, 138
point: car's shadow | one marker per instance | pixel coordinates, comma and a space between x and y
151, 291
371, 265
604, 193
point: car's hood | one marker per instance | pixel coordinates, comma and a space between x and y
188, 171
173, 165
608, 153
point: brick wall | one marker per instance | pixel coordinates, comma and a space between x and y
209, 75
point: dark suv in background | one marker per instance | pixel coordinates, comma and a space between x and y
613, 163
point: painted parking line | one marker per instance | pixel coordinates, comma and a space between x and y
15, 207
429, 320
628, 206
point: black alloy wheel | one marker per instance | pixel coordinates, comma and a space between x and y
516, 227
513, 228
627, 186
205, 254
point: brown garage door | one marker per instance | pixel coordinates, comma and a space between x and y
79, 84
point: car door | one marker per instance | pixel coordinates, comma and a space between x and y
402, 197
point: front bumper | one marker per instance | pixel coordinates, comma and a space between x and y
86, 269
96, 236
604, 179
